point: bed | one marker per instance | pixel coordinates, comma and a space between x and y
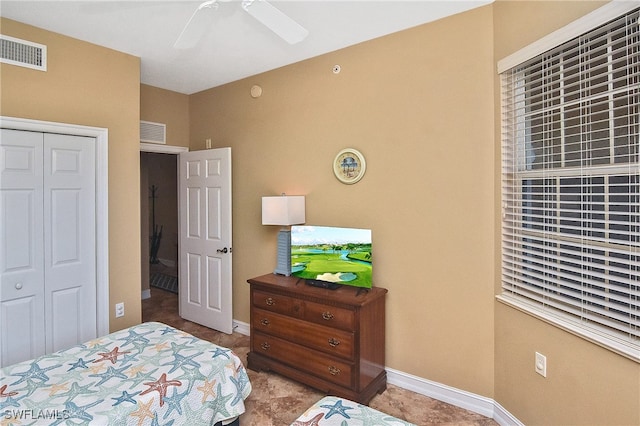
149, 374
334, 411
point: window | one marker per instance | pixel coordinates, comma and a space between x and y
571, 184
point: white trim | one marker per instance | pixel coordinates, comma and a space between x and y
467, 400
570, 31
569, 324
102, 201
162, 149
241, 327
146, 294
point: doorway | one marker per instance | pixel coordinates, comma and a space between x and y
159, 219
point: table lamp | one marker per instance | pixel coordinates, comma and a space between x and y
283, 210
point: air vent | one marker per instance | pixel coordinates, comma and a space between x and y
152, 132
23, 53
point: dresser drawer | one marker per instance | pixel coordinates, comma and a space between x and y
309, 360
331, 341
278, 303
330, 316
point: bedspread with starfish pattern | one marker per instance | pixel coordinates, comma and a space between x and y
149, 374
334, 411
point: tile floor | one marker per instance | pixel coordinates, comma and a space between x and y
278, 401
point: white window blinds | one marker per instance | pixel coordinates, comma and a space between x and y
571, 183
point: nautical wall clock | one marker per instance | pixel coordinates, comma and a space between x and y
349, 166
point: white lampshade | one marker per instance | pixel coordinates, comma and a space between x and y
283, 210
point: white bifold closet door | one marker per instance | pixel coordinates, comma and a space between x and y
47, 243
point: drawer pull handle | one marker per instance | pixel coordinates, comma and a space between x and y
334, 371
265, 346
327, 315
270, 301
264, 321
334, 342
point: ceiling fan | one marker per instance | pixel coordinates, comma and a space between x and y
285, 27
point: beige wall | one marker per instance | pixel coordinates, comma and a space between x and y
585, 384
89, 85
423, 107
167, 107
411, 103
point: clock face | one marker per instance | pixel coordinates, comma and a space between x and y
349, 166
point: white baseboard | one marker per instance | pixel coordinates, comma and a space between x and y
241, 327
146, 294
463, 399
168, 263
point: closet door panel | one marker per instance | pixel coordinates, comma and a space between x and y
22, 331
69, 205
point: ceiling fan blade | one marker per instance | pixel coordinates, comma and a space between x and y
275, 20
197, 25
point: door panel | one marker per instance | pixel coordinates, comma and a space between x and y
205, 238
70, 268
22, 331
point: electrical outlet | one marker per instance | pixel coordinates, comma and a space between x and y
119, 310
541, 364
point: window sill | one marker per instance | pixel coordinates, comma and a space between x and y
620, 346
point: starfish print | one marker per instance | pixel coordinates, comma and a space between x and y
34, 372
111, 356
161, 386
242, 384
207, 389
219, 404
313, 422
220, 352
80, 363
55, 388
143, 412
125, 397
95, 369
110, 373
337, 408
135, 370
174, 402
168, 330
6, 395
74, 411
135, 337
181, 361
9, 402
77, 390
94, 343
161, 346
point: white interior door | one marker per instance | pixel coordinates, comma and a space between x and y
205, 257
70, 240
22, 331
48, 243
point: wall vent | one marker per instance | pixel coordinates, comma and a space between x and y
22, 53
153, 132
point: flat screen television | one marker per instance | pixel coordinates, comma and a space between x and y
333, 255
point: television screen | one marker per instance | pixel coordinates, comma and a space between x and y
332, 254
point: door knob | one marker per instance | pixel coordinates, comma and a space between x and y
224, 250
18, 286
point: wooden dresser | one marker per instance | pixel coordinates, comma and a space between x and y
332, 340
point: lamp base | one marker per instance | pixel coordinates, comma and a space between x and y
283, 266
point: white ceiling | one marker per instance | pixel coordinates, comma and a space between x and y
236, 45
